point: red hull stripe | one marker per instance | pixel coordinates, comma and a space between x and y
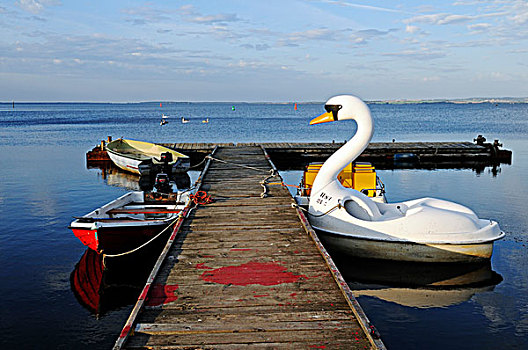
87, 237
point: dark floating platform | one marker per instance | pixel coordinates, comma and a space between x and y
383, 155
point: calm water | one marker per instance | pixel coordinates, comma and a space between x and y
45, 182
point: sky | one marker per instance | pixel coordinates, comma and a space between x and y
261, 51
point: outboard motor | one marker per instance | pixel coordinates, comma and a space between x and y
165, 159
162, 183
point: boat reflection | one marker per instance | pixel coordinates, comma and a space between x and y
103, 287
418, 285
117, 178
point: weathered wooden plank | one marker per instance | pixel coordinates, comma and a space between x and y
253, 315
310, 338
232, 326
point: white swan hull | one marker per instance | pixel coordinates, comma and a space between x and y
406, 251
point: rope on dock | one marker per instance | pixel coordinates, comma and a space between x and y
264, 182
235, 164
201, 197
272, 173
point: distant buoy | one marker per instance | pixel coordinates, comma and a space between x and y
13, 104
233, 108
295, 107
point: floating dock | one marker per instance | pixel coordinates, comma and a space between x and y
246, 271
383, 155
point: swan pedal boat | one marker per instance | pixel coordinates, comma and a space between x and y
128, 221
144, 158
421, 230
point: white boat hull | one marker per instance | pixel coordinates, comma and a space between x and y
406, 251
142, 158
125, 163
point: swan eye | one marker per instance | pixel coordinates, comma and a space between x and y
333, 109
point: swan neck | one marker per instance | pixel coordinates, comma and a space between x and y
344, 155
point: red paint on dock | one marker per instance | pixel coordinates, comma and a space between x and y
125, 331
253, 272
143, 294
202, 266
162, 294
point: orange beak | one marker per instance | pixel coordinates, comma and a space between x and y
323, 118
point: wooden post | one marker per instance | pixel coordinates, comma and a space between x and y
102, 145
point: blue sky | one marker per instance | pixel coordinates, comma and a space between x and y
125, 50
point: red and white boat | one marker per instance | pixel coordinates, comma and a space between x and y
128, 221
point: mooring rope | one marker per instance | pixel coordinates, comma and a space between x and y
264, 182
272, 173
199, 164
235, 164
144, 244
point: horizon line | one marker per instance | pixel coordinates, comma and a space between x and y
482, 99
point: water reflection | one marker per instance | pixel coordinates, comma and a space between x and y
117, 178
101, 286
417, 285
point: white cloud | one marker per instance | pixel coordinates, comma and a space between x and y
212, 19
521, 13
411, 29
36, 6
478, 27
455, 19
447, 18
438, 18
192, 15
421, 54
314, 34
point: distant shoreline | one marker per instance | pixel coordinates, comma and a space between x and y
509, 100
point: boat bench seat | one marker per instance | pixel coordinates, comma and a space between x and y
143, 211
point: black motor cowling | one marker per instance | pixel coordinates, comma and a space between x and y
162, 183
165, 159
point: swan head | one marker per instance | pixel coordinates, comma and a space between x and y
344, 107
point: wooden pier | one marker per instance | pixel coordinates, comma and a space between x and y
383, 155
246, 271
